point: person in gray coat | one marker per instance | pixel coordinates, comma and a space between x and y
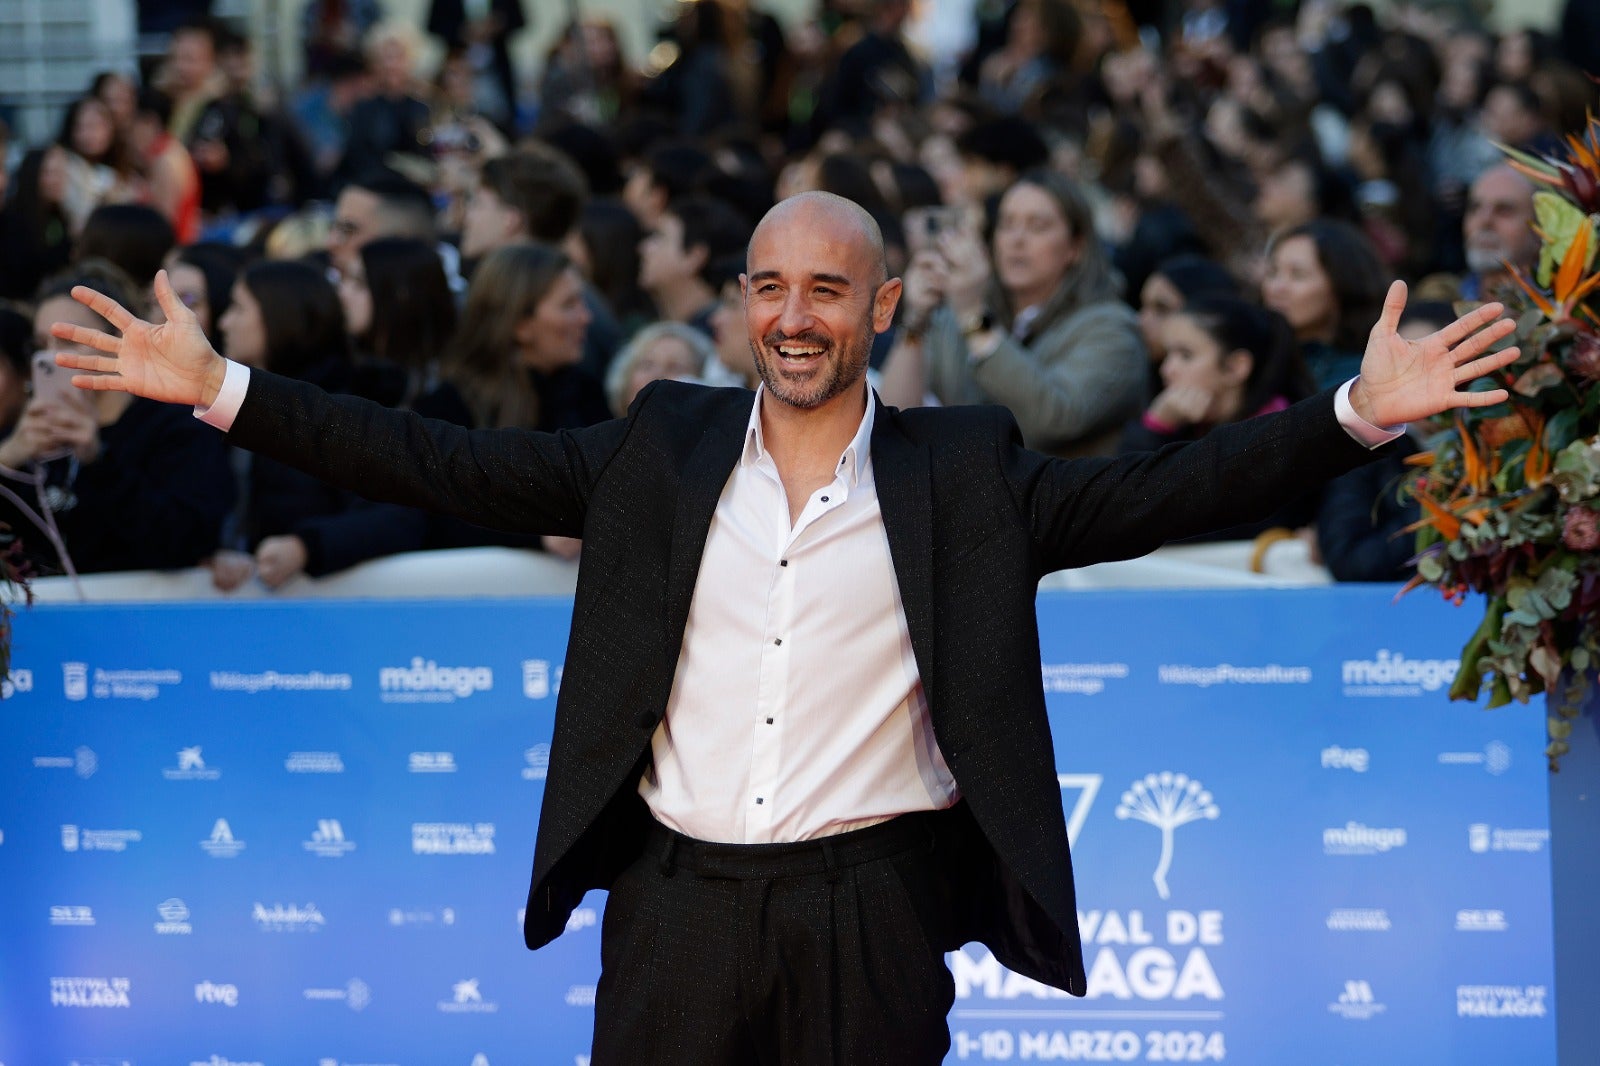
1038, 329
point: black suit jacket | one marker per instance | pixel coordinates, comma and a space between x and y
973, 521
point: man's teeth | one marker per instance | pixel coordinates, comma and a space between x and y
798, 351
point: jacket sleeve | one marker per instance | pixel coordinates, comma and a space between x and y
1075, 381
1083, 511
514, 480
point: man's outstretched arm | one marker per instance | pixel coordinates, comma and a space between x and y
1087, 511
508, 479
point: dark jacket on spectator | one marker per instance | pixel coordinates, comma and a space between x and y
1360, 522
154, 499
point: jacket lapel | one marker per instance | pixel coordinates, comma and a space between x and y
702, 480
901, 470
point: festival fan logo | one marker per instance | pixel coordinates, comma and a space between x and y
355, 994
83, 761
1167, 801
536, 678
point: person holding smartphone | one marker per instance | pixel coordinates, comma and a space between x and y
104, 481
1038, 328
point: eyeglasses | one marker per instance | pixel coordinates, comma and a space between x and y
191, 299
344, 227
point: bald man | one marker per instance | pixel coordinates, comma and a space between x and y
1497, 229
801, 735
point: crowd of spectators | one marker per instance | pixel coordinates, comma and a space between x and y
1126, 221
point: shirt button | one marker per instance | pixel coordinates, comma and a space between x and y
778, 641
759, 801
783, 562
769, 721
824, 499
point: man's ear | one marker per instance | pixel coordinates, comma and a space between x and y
884, 301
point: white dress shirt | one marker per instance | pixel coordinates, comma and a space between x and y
796, 709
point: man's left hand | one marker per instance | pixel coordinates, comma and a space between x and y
1404, 381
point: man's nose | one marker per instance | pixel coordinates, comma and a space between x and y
796, 314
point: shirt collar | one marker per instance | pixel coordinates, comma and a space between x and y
857, 454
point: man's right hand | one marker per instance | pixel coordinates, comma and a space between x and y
172, 362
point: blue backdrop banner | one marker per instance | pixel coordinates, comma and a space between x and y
274, 834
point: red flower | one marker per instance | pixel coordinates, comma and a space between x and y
1580, 530
1583, 358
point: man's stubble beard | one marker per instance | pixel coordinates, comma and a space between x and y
835, 379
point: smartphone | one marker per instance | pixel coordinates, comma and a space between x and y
53, 384
924, 224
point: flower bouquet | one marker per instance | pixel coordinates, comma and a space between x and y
1510, 494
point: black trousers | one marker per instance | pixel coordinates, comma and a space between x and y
822, 952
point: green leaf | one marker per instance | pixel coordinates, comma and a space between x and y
1560, 220
1430, 568
1560, 728
1580, 658
1561, 430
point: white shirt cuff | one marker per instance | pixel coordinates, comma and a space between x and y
1362, 431
225, 408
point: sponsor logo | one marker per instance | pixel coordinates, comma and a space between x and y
89, 991
18, 679
1483, 838
452, 838
174, 914
1228, 674
431, 762
580, 996
1357, 1003
76, 838
340, 1062
191, 767
1501, 1001
1481, 921
467, 998
399, 916
314, 762
218, 1060
287, 918
536, 678
327, 840
425, 681
538, 760
78, 682
1358, 920
582, 918
1337, 758
211, 992
82, 760
355, 994
71, 916
1389, 673
1166, 801
273, 681
1495, 758
1081, 679
222, 843
75, 680
1354, 838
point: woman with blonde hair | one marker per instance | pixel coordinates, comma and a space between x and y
660, 350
